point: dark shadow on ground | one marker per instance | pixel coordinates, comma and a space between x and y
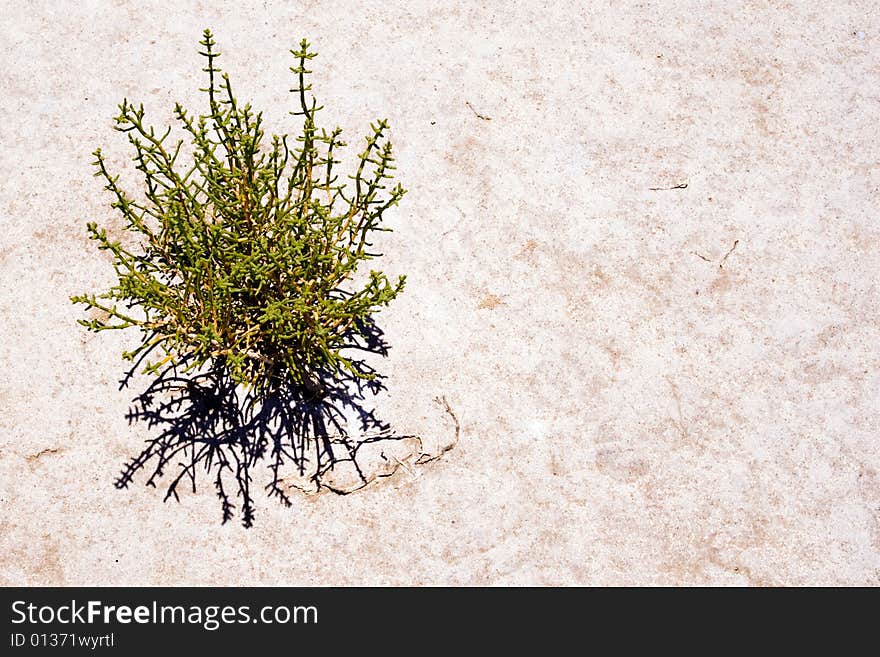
208, 429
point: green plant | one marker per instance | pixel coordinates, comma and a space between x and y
245, 256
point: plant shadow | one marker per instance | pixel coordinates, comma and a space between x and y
305, 435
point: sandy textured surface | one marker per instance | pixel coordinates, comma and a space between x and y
674, 386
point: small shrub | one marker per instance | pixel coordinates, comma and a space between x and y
245, 252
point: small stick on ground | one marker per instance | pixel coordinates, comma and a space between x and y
476, 113
42, 453
700, 256
425, 458
666, 189
724, 259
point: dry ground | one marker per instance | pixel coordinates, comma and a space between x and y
655, 386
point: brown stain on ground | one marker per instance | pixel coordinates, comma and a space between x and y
49, 569
527, 251
99, 315
63, 234
721, 283
463, 152
490, 302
